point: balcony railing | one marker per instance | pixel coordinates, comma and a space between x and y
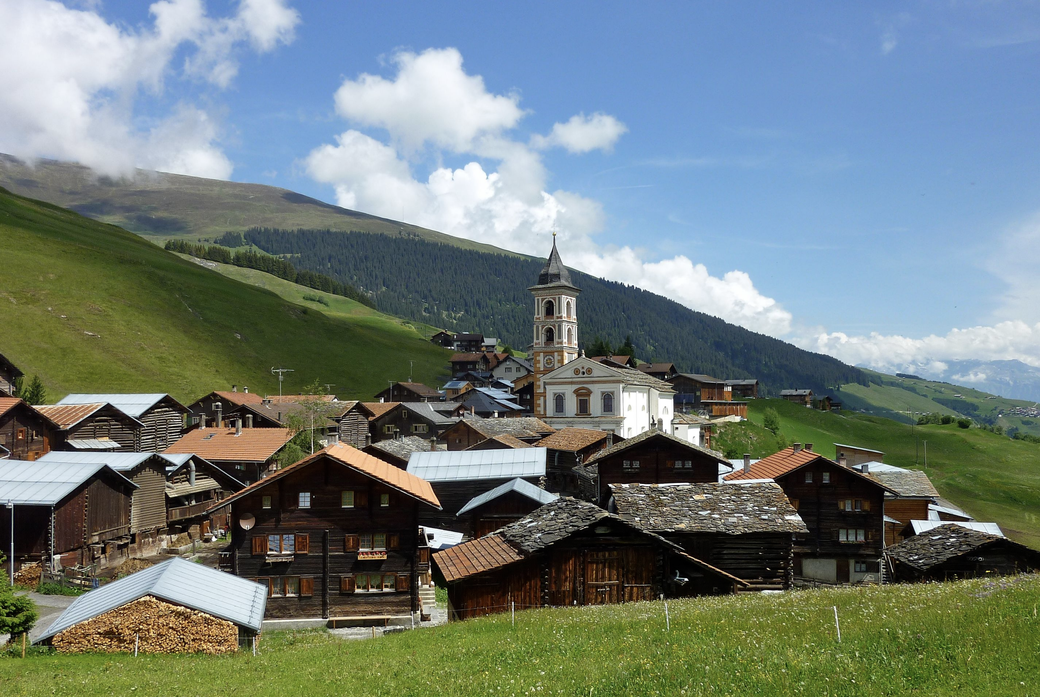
190, 511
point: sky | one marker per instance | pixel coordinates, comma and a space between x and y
859, 179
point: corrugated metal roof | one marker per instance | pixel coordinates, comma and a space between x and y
27, 484
520, 486
442, 539
68, 415
120, 462
177, 581
934, 509
132, 404
461, 465
92, 444
922, 526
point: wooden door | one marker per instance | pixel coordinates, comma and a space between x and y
843, 571
602, 578
639, 574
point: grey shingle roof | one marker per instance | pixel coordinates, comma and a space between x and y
943, 543
907, 483
402, 447
647, 435
177, 581
426, 411
722, 508
520, 486
520, 426
554, 271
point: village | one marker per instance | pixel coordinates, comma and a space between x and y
558, 479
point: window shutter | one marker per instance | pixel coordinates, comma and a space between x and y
351, 543
393, 540
866, 504
306, 587
346, 584
303, 543
361, 499
404, 582
259, 545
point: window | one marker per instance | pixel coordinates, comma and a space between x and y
508, 369
346, 499
292, 586
608, 402
854, 505
384, 500
281, 544
558, 403
550, 308
630, 465
826, 477
305, 499
583, 406
365, 541
808, 477
569, 308
379, 540
860, 567
388, 428
852, 536
684, 464
374, 583
420, 428
266, 502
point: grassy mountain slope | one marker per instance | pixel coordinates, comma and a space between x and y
891, 396
991, 476
91, 307
164, 206
973, 637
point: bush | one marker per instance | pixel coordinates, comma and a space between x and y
59, 589
946, 420
963, 423
17, 612
771, 420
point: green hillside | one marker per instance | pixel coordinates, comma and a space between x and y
899, 397
91, 307
990, 476
973, 637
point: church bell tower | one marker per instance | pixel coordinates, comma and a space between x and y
555, 323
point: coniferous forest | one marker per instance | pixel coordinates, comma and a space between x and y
465, 290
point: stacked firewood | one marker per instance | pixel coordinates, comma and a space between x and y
149, 625
29, 575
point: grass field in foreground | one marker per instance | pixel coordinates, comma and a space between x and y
991, 476
966, 638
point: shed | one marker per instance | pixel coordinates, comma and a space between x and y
162, 417
80, 426
173, 607
25, 434
952, 551
503, 505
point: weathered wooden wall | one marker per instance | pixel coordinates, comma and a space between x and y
148, 507
107, 425
353, 429
903, 510
163, 427
25, 434
654, 466
765, 560
455, 495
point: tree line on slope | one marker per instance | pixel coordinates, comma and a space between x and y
466, 290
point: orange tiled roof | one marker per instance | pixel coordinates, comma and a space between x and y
475, 557
296, 398
379, 408
572, 439
353, 458
239, 397
67, 416
505, 439
222, 445
776, 465
7, 404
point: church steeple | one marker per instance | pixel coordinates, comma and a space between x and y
555, 323
554, 271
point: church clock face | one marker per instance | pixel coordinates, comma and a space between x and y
549, 361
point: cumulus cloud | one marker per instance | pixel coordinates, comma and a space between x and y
583, 134
1015, 260
71, 81
432, 110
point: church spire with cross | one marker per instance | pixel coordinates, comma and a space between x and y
555, 323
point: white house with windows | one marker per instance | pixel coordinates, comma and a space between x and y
511, 368
626, 402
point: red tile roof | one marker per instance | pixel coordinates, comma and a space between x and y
379, 408
776, 465
475, 557
572, 439
67, 416
7, 404
223, 445
239, 397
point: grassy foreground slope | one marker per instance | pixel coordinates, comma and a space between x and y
991, 476
967, 638
91, 307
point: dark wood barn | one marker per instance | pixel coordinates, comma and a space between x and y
9, 374
193, 486
566, 449
469, 431
410, 392
162, 417
25, 434
951, 552
352, 420
410, 419
99, 426
747, 530
502, 505
335, 536
566, 553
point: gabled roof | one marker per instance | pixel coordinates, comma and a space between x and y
906, 483
134, 404
178, 461
519, 426
8, 403
721, 508
505, 440
224, 445
572, 439
28, 484
554, 272
691, 419
377, 409
944, 543
655, 367
924, 526
741, 383
12, 368
366, 464
466, 358
120, 462
485, 404
426, 411
778, 464
697, 377
418, 388
236, 398
795, 393
465, 465
475, 557
67, 416
401, 448
177, 581
520, 486
648, 435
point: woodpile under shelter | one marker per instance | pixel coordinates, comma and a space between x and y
747, 530
176, 606
161, 416
571, 552
952, 551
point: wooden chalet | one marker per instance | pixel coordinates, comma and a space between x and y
458, 477
409, 392
353, 422
489, 403
510, 368
162, 417
653, 457
621, 360
454, 388
661, 371
951, 552
843, 509
193, 486
467, 432
469, 343
566, 449
912, 494
827, 403
421, 419
9, 374
746, 530
247, 454
857, 456
217, 403
99, 426
692, 388
443, 339
803, 397
523, 389
743, 389
25, 434
396, 451
68, 515
472, 362
334, 536
566, 553
504, 504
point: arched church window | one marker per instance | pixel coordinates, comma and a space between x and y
569, 315
570, 336
550, 336
558, 404
608, 403
550, 308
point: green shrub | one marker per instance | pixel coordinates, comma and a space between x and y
59, 589
963, 423
946, 420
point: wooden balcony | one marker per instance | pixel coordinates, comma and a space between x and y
183, 512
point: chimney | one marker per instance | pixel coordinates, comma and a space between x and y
797, 447
495, 414
191, 472
747, 462
249, 420
866, 468
246, 390
842, 460
217, 407
433, 444
202, 422
238, 426
808, 447
234, 388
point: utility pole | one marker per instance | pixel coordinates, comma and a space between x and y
410, 366
280, 372
391, 383
10, 504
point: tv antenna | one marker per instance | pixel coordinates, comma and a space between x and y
280, 372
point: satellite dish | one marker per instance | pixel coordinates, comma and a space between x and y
247, 521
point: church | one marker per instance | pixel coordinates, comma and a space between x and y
571, 390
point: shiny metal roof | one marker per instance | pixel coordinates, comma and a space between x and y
120, 462
28, 484
520, 486
923, 526
461, 465
92, 444
177, 581
132, 404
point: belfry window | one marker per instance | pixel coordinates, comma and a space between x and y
550, 308
550, 336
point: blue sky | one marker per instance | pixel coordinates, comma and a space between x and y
859, 179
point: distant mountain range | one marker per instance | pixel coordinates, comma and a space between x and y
1011, 379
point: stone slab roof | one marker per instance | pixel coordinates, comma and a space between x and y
907, 483
647, 435
572, 439
944, 543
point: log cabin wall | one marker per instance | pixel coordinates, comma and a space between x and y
103, 425
559, 475
329, 579
462, 436
656, 465
107, 510
25, 434
455, 495
904, 510
995, 560
163, 426
501, 511
353, 429
403, 422
148, 507
765, 560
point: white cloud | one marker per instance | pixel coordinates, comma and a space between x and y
891, 32
71, 80
583, 134
499, 195
1015, 260
971, 377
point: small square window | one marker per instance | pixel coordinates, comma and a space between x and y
346, 499
379, 540
292, 586
808, 477
266, 502
860, 567
384, 500
365, 541
305, 499
826, 477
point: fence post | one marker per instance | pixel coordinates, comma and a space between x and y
512, 613
137, 642
667, 619
836, 625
